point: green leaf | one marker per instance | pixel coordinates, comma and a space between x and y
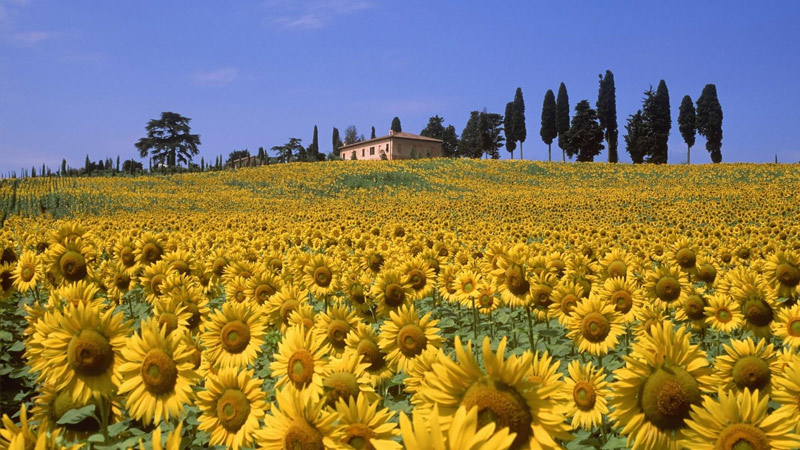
616, 442
5, 336
74, 416
17, 347
117, 428
96, 438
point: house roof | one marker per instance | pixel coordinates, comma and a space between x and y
395, 134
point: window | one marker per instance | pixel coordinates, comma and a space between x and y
371, 151
362, 151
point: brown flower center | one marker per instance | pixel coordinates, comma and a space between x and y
340, 385
159, 372
337, 332
515, 280
742, 436
394, 295
668, 289
595, 327
568, 303
233, 408
371, 354
695, 307
357, 435
686, 258
235, 336
501, 404
411, 340
757, 312
622, 301
751, 372
301, 367
667, 395
617, 269
706, 273
417, 279
584, 395
300, 435
793, 327
127, 257
73, 266
90, 353
787, 274
322, 276
151, 252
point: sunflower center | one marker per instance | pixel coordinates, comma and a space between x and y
122, 281
275, 264
151, 253
584, 395
757, 312
617, 269
622, 301
127, 257
394, 295
411, 340
322, 276
357, 294
337, 332
358, 435
706, 273
595, 327
667, 395
287, 307
500, 403
485, 301
63, 403
695, 307
27, 273
751, 372
263, 293
155, 283
417, 279
541, 295
568, 303
515, 280
235, 336
724, 316
90, 353
239, 296
218, 266
467, 287
375, 262
742, 436
788, 275
686, 258
340, 385
301, 367
794, 327
196, 318
743, 253
73, 266
668, 289
300, 435
159, 372
233, 408
180, 267
371, 354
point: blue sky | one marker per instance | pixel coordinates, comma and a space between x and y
83, 77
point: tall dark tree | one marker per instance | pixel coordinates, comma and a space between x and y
350, 135
607, 113
88, 165
562, 118
508, 124
709, 121
470, 143
336, 141
659, 118
548, 131
687, 124
434, 128
372, 136
491, 138
63, 167
450, 142
585, 136
169, 140
396, 127
636, 141
313, 149
237, 154
520, 129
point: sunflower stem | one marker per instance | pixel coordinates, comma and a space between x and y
104, 419
474, 320
530, 330
491, 325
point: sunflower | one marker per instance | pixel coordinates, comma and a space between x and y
173, 439
6, 280
322, 276
419, 368
391, 292
684, 254
345, 378
181, 261
69, 263
217, 261
511, 277
157, 375
594, 326
739, 420
746, 364
300, 362
651, 395
150, 248
787, 389
364, 426
563, 299
487, 299
244, 269
83, 292
355, 285
364, 341
692, 308
50, 405
723, 313
615, 264
466, 432
405, 336
231, 407
787, 326
281, 305
171, 314
446, 283
585, 394
190, 295
82, 350
233, 335
372, 260
299, 422
782, 272
665, 283
124, 253
502, 393
624, 294
261, 287
118, 282
304, 316
28, 272
541, 294
707, 270
236, 289
466, 285
759, 305
334, 325
17, 437
420, 275
152, 279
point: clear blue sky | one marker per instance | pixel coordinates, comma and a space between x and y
84, 77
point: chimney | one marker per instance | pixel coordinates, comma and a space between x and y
391, 132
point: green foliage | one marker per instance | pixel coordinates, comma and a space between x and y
434, 128
657, 114
396, 127
687, 123
709, 121
607, 113
548, 130
237, 154
636, 141
520, 130
508, 124
562, 116
169, 140
337, 143
584, 138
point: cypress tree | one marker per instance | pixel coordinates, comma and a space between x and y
709, 121
520, 130
337, 142
661, 123
585, 136
63, 167
607, 113
636, 139
687, 124
314, 148
88, 166
372, 136
509, 125
562, 118
396, 125
548, 131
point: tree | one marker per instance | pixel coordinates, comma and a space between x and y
237, 154
508, 124
169, 140
709, 121
313, 149
659, 121
287, 151
687, 124
562, 117
88, 166
117, 163
337, 143
131, 166
607, 113
372, 136
585, 136
450, 142
520, 130
63, 167
491, 128
350, 135
396, 125
470, 143
434, 128
636, 140
548, 131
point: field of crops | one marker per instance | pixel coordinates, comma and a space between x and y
428, 304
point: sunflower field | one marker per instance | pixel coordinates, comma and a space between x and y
426, 304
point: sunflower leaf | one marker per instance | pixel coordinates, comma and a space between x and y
74, 416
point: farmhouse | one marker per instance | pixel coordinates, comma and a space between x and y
395, 145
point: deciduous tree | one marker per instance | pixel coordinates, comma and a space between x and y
169, 140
